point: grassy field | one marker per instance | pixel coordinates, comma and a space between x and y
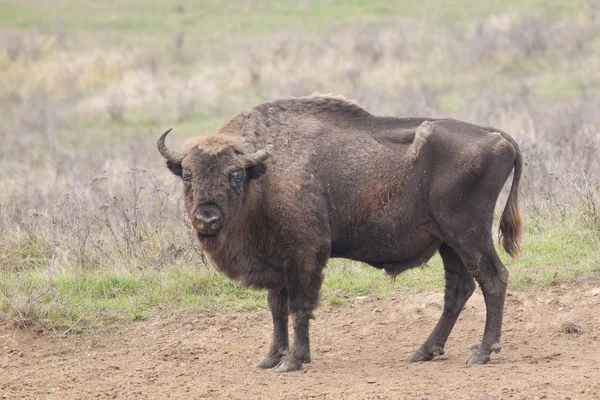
239, 16
92, 229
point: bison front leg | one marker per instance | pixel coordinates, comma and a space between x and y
303, 293
278, 303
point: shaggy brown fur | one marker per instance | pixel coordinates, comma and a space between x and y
213, 145
337, 181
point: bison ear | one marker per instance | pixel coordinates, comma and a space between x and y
255, 171
175, 168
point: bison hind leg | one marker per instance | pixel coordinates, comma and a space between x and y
459, 288
482, 262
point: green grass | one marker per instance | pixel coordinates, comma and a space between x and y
239, 16
557, 252
110, 295
561, 86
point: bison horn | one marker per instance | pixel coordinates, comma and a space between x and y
254, 159
171, 155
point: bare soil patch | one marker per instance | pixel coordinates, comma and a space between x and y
359, 351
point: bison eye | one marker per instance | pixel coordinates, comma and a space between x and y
236, 178
186, 176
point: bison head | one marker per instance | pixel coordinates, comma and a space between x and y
215, 171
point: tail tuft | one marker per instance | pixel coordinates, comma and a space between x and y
511, 223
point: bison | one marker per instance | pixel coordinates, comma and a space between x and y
287, 185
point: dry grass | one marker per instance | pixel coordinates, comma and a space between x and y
571, 328
84, 194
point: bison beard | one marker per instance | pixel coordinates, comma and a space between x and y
296, 181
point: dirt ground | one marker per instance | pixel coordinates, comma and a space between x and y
359, 351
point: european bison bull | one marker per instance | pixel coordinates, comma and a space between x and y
285, 186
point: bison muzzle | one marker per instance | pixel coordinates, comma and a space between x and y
283, 187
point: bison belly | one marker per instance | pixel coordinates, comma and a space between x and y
389, 246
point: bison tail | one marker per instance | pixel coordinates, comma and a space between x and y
511, 223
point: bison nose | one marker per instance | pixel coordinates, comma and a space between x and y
208, 222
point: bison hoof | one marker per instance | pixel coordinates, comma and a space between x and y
424, 354
496, 347
288, 366
481, 356
478, 359
268, 361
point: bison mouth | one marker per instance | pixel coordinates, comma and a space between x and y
203, 237
207, 242
206, 235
